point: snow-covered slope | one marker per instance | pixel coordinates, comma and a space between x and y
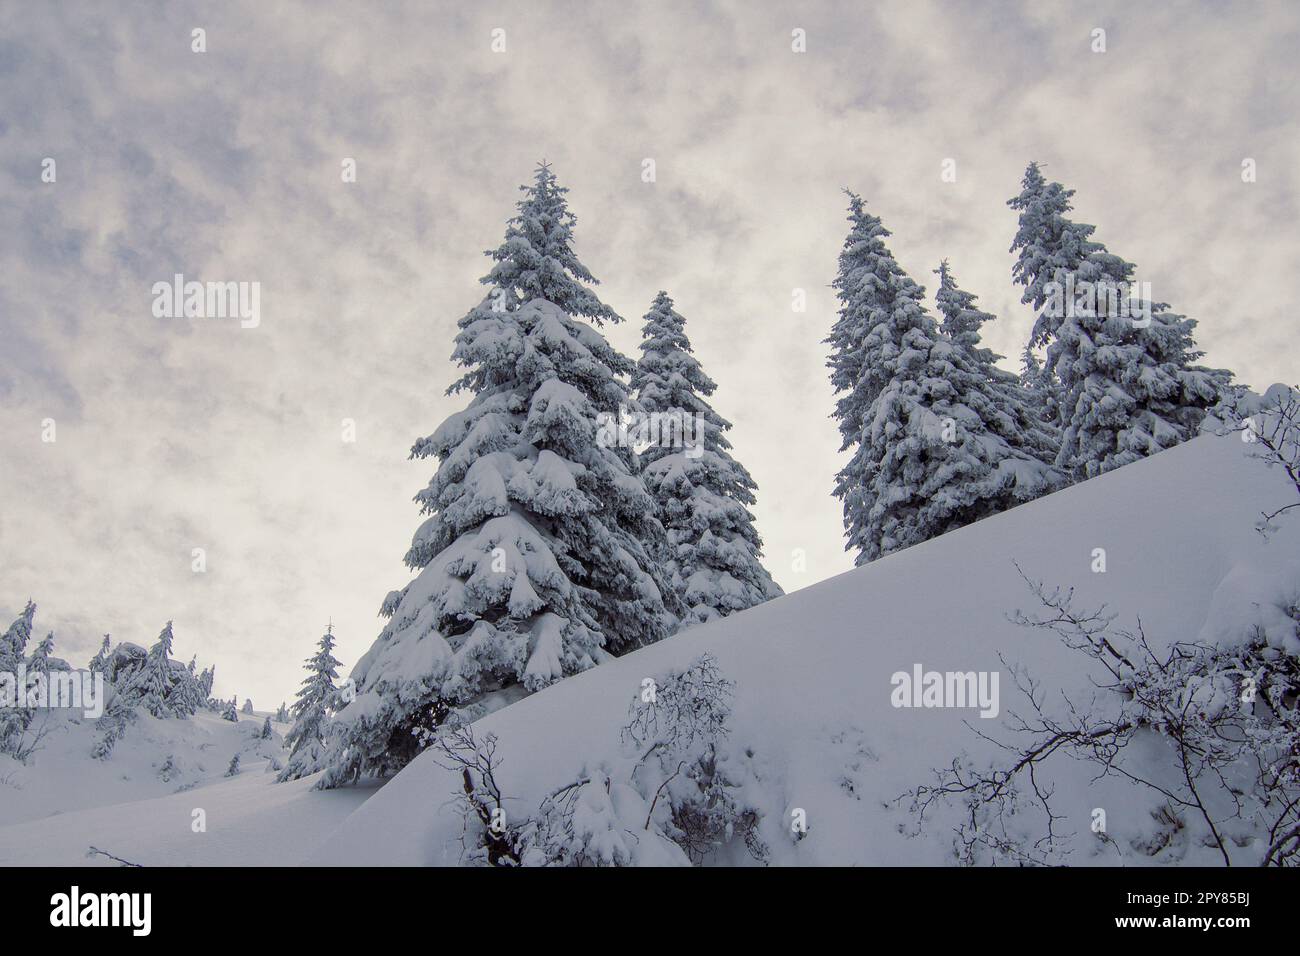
55, 808
154, 758
813, 669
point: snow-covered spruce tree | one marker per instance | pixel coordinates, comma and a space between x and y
206, 680
933, 445
159, 687
230, 712
962, 322
317, 699
702, 493
535, 561
14, 721
100, 659
1128, 384
248, 706
282, 714
39, 662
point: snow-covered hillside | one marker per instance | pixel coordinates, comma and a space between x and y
813, 672
154, 758
140, 804
812, 704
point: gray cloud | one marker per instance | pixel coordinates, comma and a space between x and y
182, 434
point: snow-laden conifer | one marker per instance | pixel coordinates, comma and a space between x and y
702, 492
317, 700
932, 448
1128, 383
535, 560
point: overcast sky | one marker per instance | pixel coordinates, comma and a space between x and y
176, 434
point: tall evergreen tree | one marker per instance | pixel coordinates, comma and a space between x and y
535, 561
317, 700
962, 322
1128, 385
933, 446
702, 492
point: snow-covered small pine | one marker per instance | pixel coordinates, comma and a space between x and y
282, 714
1128, 383
156, 687
317, 699
97, 662
39, 662
248, 706
15, 720
13, 643
206, 680
233, 769
701, 491
231, 713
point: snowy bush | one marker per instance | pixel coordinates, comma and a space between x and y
1226, 713
677, 798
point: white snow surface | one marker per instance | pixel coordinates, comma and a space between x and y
63, 802
812, 697
812, 669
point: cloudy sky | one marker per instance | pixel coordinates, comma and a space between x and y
177, 434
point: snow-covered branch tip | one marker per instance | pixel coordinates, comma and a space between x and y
1270, 427
96, 851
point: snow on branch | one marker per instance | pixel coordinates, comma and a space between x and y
1228, 717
